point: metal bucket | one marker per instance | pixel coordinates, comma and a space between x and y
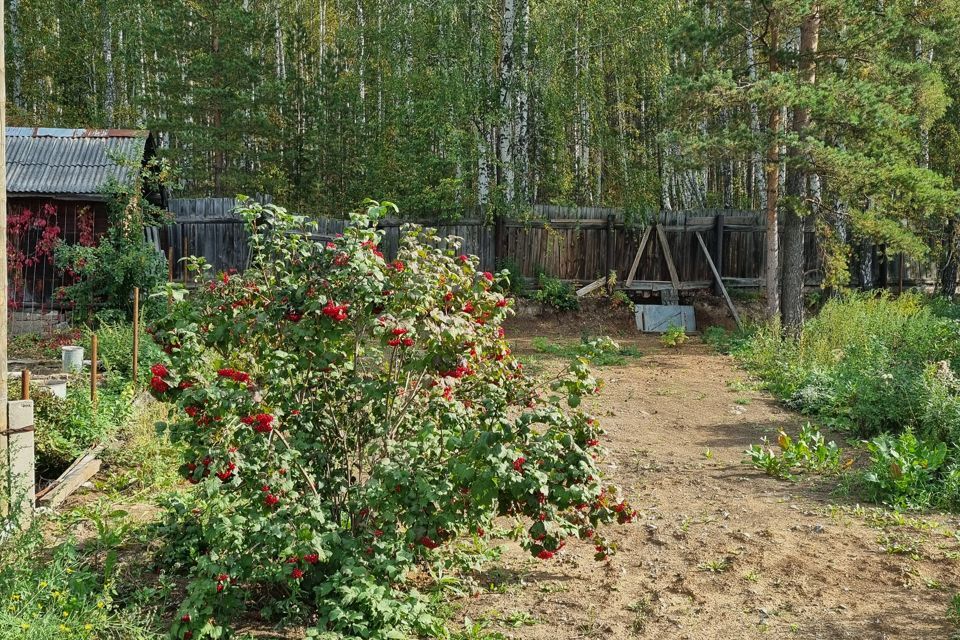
72, 359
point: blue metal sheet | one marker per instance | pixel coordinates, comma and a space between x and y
657, 318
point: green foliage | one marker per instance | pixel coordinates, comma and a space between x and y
345, 418
724, 341
67, 427
556, 294
602, 351
861, 364
52, 594
808, 452
674, 337
881, 367
511, 271
904, 471
115, 349
953, 611
106, 274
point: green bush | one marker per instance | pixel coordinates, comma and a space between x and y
67, 427
674, 337
556, 293
904, 471
883, 368
115, 349
861, 364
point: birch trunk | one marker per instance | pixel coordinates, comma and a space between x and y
507, 104
109, 91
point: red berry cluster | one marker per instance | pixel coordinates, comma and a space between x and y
336, 312
232, 374
262, 422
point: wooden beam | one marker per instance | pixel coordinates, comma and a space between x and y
716, 274
636, 259
596, 284
671, 267
666, 285
81, 470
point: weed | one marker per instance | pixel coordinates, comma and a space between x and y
809, 452
641, 609
674, 337
715, 566
752, 576
953, 611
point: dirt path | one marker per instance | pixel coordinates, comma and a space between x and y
721, 550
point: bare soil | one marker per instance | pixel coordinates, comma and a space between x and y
720, 550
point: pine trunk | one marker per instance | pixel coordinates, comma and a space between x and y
792, 291
773, 188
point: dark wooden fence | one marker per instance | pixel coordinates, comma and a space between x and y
577, 244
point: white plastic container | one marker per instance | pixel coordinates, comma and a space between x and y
72, 359
58, 388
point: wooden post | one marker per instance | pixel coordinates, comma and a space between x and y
25, 384
136, 334
718, 250
901, 273
186, 252
93, 371
609, 260
5, 450
170, 275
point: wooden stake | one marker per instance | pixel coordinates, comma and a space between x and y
5, 486
636, 259
186, 252
716, 274
170, 275
93, 371
136, 334
25, 384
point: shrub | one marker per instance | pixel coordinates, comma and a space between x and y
556, 293
904, 470
860, 364
65, 428
514, 276
673, 337
105, 274
346, 418
115, 349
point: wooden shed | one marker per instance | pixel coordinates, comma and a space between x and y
58, 183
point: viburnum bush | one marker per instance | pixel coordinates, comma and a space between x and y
346, 417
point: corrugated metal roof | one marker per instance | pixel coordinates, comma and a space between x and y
70, 161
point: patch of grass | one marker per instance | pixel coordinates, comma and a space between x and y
715, 566
602, 352
68, 591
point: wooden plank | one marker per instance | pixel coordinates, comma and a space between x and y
716, 274
666, 285
83, 468
636, 260
665, 245
596, 284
